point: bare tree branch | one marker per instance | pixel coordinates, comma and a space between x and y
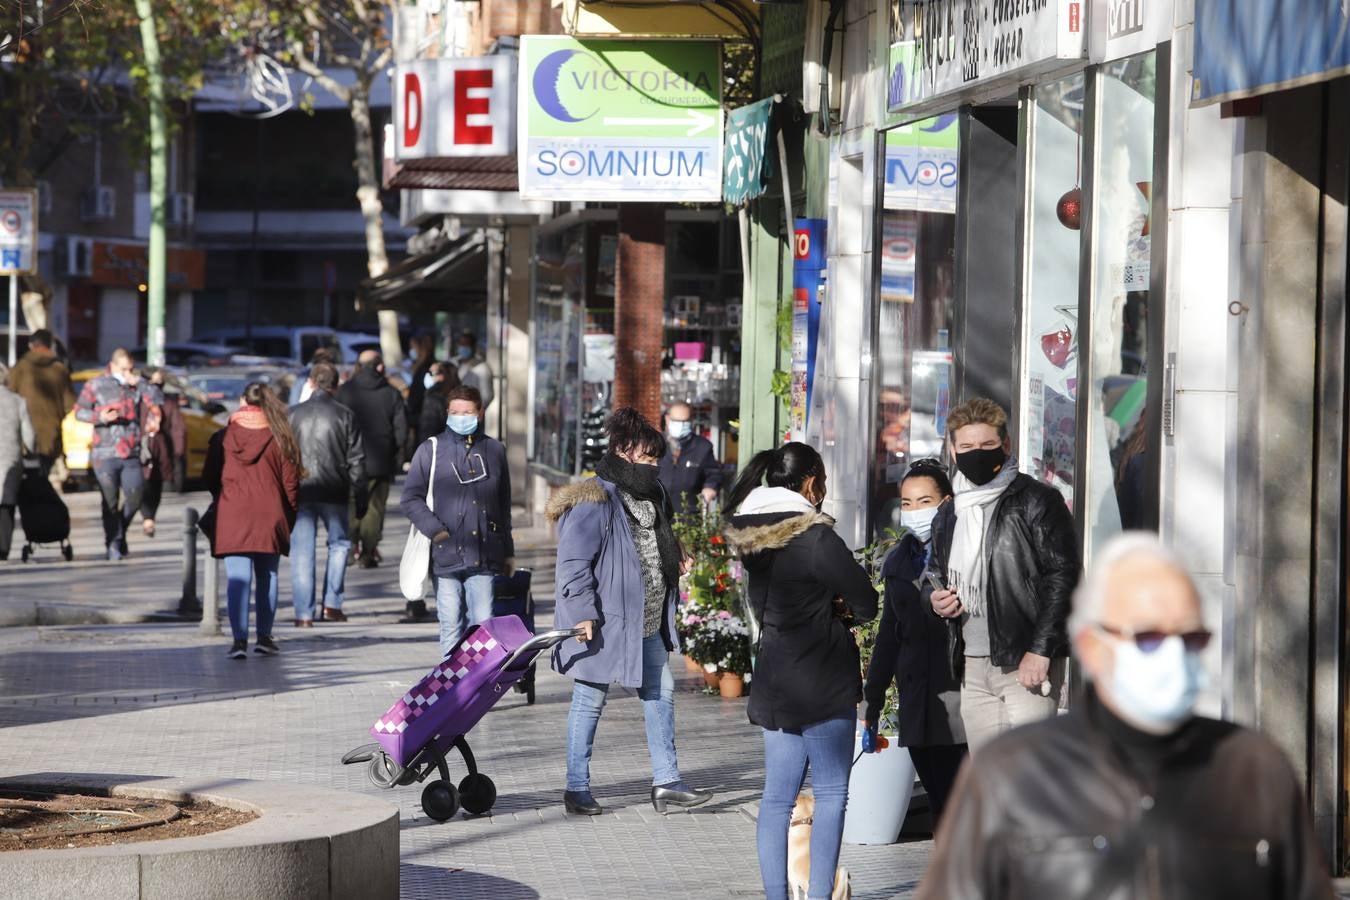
305, 65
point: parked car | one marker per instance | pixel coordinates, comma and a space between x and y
193, 355
353, 344
225, 384
202, 416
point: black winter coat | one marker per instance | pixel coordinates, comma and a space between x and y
431, 420
807, 669
1056, 810
685, 478
1032, 567
911, 648
331, 451
382, 418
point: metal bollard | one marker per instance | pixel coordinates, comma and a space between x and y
188, 604
211, 601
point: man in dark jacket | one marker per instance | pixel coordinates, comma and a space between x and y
1006, 552
690, 472
335, 472
43, 381
383, 423
470, 527
1130, 794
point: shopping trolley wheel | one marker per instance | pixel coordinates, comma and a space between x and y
529, 695
383, 773
477, 793
440, 800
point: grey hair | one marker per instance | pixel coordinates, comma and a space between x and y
1091, 593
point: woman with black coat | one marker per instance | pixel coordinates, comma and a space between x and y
806, 589
911, 646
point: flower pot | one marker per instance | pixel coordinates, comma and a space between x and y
732, 685
692, 666
879, 791
711, 679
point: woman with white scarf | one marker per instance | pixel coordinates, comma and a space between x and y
1002, 573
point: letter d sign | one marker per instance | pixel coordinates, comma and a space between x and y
412, 109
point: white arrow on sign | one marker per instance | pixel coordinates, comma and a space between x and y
698, 122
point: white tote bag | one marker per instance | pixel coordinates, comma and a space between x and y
414, 569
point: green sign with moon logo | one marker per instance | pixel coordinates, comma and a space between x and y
615, 120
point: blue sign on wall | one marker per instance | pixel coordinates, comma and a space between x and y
1249, 47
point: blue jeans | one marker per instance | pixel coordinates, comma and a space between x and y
303, 539
450, 595
827, 748
114, 474
658, 710
241, 570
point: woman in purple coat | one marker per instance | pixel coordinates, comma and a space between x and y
618, 580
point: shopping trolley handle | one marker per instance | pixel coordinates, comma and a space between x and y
538, 644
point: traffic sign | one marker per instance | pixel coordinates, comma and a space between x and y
18, 231
614, 120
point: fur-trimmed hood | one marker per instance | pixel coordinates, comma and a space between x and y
769, 519
592, 490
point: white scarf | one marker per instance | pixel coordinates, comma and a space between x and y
965, 562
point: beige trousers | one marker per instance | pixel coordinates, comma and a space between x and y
992, 701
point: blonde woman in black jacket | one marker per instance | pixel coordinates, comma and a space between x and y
804, 585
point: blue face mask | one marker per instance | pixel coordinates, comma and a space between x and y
679, 430
465, 425
464, 351
428, 381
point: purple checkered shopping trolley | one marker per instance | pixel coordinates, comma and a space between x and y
432, 718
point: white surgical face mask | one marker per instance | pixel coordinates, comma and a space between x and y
679, 430
428, 381
1156, 690
464, 425
919, 521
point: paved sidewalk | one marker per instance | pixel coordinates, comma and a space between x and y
158, 699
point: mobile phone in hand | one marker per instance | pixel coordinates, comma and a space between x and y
935, 582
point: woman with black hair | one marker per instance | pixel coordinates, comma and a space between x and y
617, 580
912, 645
805, 589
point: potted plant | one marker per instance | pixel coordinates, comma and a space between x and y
881, 783
712, 632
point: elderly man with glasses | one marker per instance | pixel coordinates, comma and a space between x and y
469, 516
1131, 794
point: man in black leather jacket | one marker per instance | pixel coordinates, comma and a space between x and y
333, 455
1006, 552
1130, 795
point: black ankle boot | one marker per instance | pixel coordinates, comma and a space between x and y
581, 803
677, 793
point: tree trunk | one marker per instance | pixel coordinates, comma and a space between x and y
157, 252
372, 210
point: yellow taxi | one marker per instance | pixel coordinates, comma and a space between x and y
202, 417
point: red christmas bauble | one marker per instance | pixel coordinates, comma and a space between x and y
1069, 209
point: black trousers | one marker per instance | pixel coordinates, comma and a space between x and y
6, 530
937, 768
151, 494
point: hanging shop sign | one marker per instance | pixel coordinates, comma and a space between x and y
921, 165
1258, 46
945, 48
18, 232
616, 120
747, 164
808, 272
464, 106
128, 266
1121, 28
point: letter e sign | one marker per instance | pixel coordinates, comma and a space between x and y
477, 104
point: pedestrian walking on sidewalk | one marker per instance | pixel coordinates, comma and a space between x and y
115, 403
1008, 557
253, 472
163, 450
16, 438
911, 645
43, 381
335, 473
383, 421
441, 378
1131, 794
470, 528
690, 472
806, 590
618, 577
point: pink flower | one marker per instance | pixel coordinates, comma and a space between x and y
723, 614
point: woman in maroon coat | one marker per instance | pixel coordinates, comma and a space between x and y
253, 472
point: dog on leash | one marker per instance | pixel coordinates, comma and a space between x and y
799, 853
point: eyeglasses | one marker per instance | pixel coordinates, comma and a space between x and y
1150, 641
477, 469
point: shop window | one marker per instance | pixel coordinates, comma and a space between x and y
914, 359
1049, 382
1117, 455
559, 308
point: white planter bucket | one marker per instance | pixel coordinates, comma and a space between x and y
879, 791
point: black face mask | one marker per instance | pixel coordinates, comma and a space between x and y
981, 466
